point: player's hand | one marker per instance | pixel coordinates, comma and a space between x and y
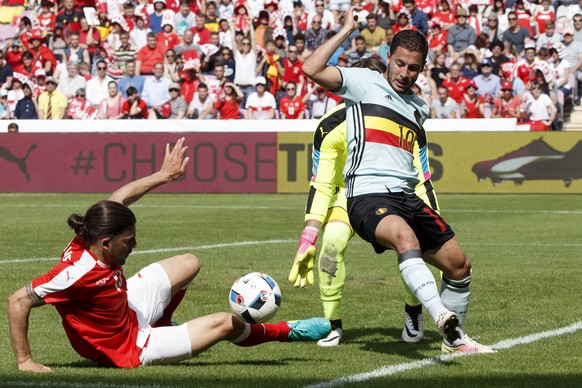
302, 270
31, 366
351, 21
175, 163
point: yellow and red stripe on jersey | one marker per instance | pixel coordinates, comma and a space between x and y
386, 131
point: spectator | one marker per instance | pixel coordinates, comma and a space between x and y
492, 28
224, 36
497, 58
507, 106
52, 104
437, 39
515, 34
156, 89
6, 72
461, 35
188, 45
79, 108
28, 67
500, 10
13, 56
292, 105
549, 38
338, 7
57, 43
167, 38
525, 67
360, 51
577, 23
419, 19
326, 17
561, 69
89, 36
439, 71
229, 63
315, 36
261, 104
488, 85
403, 22
342, 60
543, 14
149, 55
178, 105
322, 104
110, 107
472, 104
26, 108
292, 66
227, 104
384, 48
211, 55
302, 51
14, 95
469, 68
507, 70
456, 84
139, 35
202, 105
73, 81
443, 106
445, 16
573, 54
12, 128
130, 79
539, 109
157, 15
184, 19
271, 65
74, 51
373, 34
69, 17
134, 108
300, 16
474, 19
200, 32
125, 52
129, 16
226, 7
97, 89
245, 60
42, 54
4, 110
280, 43
39, 81
216, 83
524, 16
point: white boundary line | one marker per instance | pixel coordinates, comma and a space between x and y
199, 247
390, 370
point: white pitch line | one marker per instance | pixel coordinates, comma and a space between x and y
64, 384
191, 248
393, 369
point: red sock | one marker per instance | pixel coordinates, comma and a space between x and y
266, 332
166, 319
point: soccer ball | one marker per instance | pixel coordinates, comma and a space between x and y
255, 297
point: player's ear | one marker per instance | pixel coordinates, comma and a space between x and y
105, 243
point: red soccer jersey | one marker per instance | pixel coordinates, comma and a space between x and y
228, 109
168, 41
472, 107
92, 301
143, 114
523, 71
456, 89
149, 58
292, 71
44, 55
201, 36
542, 17
47, 22
291, 108
523, 20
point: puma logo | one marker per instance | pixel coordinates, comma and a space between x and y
21, 162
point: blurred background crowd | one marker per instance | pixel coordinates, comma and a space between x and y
230, 59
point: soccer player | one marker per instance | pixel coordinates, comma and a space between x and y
327, 209
384, 122
125, 323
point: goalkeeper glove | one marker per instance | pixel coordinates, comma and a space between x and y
302, 270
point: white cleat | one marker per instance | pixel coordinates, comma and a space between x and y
447, 324
412, 332
333, 339
466, 344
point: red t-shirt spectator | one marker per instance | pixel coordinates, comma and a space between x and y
44, 55
542, 17
201, 36
524, 71
292, 71
143, 114
149, 57
47, 22
456, 89
96, 39
291, 108
228, 109
13, 59
523, 20
169, 41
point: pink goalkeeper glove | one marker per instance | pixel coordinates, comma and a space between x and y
302, 270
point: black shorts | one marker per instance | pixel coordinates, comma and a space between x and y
366, 212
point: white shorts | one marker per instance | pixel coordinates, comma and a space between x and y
149, 292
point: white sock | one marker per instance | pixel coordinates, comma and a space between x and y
455, 295
420, 281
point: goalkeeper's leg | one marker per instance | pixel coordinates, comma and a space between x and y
332, 276
412, 331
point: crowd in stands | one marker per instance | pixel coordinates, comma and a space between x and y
231, 59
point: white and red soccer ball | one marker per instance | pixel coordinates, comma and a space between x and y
255, 297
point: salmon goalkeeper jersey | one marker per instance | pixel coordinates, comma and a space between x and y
383, 130
329, 158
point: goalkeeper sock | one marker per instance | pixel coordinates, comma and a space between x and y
332, 269
420, 281
409, 297
255, 334
455, 295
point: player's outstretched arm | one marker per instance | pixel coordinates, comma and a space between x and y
173, 167
302, 270
19, 305
315, 66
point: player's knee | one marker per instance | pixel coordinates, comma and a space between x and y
406, 240
460, 267
190, 265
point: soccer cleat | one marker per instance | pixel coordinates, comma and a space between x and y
447, 324
565, 169
333, 339
507, 167
311, 329
412, 332
466, 344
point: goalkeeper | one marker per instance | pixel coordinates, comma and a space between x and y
327, 208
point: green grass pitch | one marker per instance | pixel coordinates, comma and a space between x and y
527, 271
